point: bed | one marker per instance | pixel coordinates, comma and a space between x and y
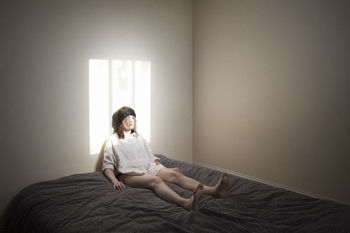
84, 203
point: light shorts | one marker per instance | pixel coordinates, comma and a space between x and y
153, 168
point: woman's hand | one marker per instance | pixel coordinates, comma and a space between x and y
118, 185
111, 176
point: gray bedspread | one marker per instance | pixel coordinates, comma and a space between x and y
85, 203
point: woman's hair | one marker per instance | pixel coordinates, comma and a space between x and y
117, 120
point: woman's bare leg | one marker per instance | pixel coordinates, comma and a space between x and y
163, 190
174, 176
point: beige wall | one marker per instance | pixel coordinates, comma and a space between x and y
44, 51
271, 91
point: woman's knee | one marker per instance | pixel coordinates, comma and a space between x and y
155, 181
173, 176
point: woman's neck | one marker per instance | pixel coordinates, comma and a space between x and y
127, 133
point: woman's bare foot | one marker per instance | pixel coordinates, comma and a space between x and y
194, 200
221, 189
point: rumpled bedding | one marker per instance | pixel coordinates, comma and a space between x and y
84, 203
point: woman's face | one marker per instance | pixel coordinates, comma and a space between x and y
129, 123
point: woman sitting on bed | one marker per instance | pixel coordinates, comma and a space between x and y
128, 154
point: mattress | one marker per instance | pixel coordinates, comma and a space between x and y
84, 203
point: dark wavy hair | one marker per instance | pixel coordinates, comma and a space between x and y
117, 120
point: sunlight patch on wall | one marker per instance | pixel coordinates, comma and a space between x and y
113, 84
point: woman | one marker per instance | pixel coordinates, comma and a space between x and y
128, 154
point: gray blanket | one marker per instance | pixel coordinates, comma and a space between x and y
85, 203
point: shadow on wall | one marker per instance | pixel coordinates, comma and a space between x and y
7, 213
99, 163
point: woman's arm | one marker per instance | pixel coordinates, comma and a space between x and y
111, 176
110, 163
